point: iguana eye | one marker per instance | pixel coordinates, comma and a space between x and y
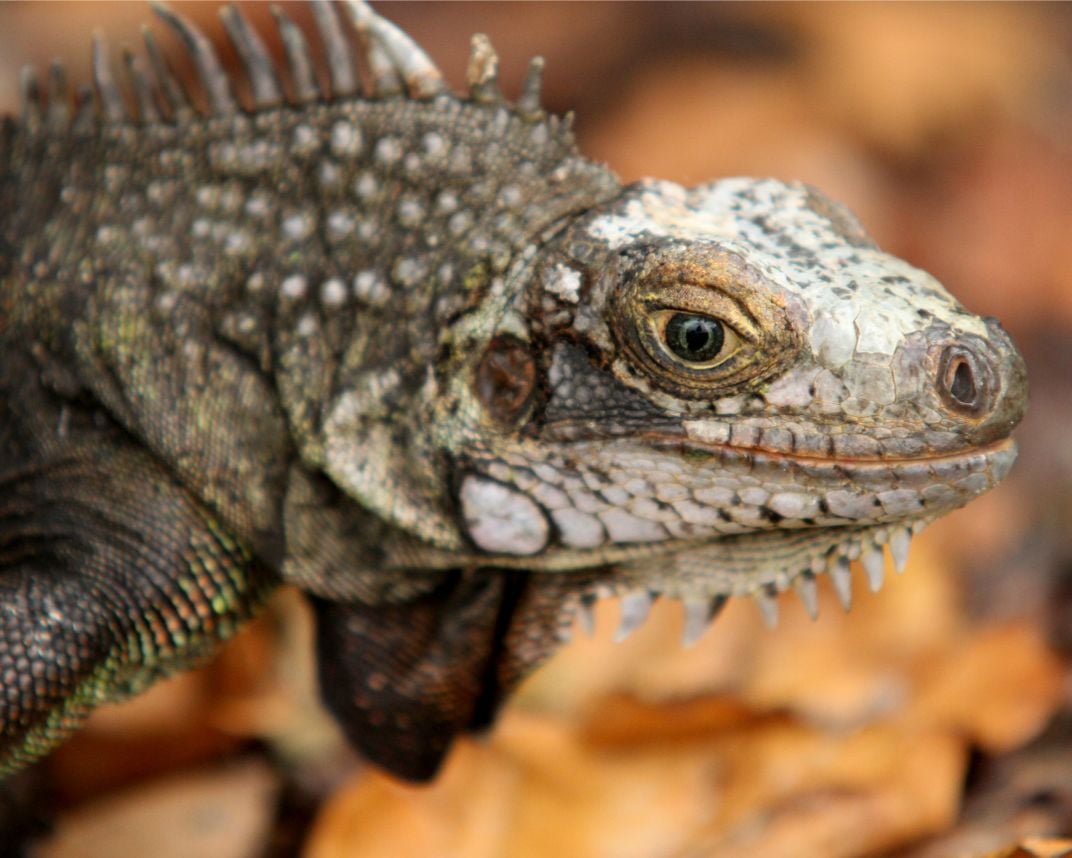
695, 322
695, 339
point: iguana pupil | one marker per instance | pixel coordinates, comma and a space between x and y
694, 338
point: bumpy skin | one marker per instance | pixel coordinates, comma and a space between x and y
414, 354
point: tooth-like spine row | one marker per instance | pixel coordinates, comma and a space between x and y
299, 59
899, 542
875, 566
698, 616
171, 91
700, 611
635, 609
587, 613
340, 62
395, 62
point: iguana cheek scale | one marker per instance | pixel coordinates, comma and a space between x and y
416, 355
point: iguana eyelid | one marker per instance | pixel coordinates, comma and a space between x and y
704, 300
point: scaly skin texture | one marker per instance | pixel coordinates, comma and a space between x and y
414, 354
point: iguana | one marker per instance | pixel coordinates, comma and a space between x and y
414, 354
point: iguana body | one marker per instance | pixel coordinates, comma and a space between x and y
414, 354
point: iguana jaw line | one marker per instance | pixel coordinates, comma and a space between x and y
957, 475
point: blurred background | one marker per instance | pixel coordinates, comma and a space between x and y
934, 719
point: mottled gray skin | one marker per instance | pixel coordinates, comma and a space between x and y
409, 352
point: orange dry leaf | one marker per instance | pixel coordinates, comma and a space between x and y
538, 790
1036, 847
998, 688
222, 812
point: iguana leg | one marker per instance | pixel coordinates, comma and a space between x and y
110, 574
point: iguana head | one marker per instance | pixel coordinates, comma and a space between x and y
699, 393
696, 393
735, 375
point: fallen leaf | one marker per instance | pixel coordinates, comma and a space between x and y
222, 812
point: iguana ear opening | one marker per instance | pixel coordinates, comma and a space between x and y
505, 379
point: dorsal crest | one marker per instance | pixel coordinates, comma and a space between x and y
394, 65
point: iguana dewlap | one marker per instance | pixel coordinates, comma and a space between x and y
416, 355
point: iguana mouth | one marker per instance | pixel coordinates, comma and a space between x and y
944, 462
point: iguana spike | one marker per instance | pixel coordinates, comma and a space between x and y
875, 565
59, 107
143, 87
900, 540
174, 96
841, 575
530, 106
422, 78
386, 81
807, 589
767, 600
299, 60
339, 56
263, 83
482, 74
698, 616
85, 109
111, 99
213, 78
635, 608
586, 612
30, 91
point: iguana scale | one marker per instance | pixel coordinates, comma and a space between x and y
413, 353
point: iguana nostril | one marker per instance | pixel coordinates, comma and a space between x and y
962, 380
962, 387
